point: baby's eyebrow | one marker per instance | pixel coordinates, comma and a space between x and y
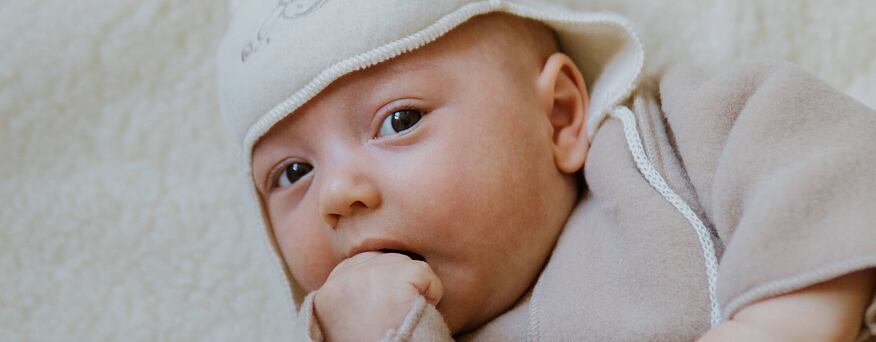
401, 68
396, 77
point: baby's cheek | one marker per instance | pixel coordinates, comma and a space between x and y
473, 187
309, 262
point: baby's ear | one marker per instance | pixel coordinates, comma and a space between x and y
562, 94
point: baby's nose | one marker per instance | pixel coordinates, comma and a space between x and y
344, 195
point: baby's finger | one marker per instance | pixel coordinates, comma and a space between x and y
428, 284
354, 261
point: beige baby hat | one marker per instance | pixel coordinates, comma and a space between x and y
279, 54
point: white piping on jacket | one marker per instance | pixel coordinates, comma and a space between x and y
646, 167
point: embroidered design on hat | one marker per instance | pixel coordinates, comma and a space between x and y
285, 10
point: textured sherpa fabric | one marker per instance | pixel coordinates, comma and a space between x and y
122, 218
277, 56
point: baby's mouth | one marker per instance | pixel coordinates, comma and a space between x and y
383, 246
412, 255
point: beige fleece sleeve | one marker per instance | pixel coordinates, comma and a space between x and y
306, 326
423, 322
785, 168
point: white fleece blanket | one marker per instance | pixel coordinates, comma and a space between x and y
122, 213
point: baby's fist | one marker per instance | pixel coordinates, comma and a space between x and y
370, 293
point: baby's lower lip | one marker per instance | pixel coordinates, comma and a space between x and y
412, 255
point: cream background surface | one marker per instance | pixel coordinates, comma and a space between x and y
122, 209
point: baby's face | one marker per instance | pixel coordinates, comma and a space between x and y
442, 153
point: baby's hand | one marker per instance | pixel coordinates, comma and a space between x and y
370, 293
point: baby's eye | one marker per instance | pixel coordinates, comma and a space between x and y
293, 172
399, 121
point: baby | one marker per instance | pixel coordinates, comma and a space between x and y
419, 170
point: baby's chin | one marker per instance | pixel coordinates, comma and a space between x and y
461, 323
465, 315
457, 321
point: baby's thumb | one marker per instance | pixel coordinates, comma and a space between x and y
434, 289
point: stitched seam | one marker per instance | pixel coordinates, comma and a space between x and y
534, 334
310, 319
794, 283
406, 330
656, 180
